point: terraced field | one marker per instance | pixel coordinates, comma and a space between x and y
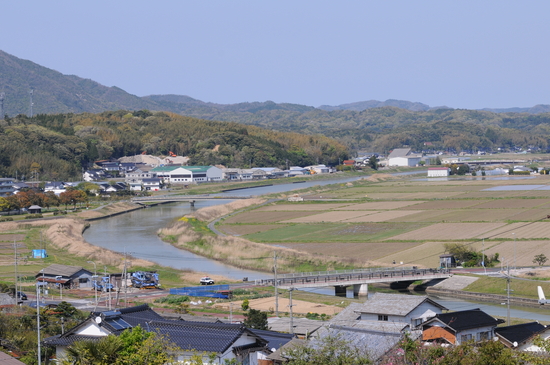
409, 221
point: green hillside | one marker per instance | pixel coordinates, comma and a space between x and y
63, 144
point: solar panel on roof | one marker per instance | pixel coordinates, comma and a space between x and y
110, 314
118, 323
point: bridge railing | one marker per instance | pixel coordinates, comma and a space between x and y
335, 278
337, 272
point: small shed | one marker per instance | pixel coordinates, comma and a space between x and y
447, 261
35, 209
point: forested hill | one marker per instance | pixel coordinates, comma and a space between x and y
369, 125
62, 144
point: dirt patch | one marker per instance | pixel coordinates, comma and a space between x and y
302, 207
442, 204
513, 203
383, 216
298, 306
210, 213
380, 205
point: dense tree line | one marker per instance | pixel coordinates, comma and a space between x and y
58, 147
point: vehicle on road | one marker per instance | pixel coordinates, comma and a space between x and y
97, 285
206, 281
21, 295
145, 280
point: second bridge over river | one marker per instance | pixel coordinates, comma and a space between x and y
358, 279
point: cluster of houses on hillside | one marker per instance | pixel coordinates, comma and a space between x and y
377, 325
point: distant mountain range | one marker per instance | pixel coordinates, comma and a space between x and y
55, 93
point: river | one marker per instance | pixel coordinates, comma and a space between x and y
136, 234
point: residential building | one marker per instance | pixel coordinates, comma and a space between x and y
522, 336
66, 276
459, 327
6, 186
229, 342
57, 187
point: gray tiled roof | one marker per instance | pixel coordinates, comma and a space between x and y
302, 326
395, 304
62, 270
399, 152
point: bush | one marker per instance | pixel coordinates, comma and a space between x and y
33, 216
173, 299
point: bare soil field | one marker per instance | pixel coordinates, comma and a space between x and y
265, 217
449, 231
393, 215
522, 231
425, 254
242, 229
520, 253
412, 196
478, 215
300, 207
298, 306
513, 203
329, 217
447, 204
379, 205
529, 215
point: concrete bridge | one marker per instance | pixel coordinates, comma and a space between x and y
186, 198
358, 279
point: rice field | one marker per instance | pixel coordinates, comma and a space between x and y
407, 221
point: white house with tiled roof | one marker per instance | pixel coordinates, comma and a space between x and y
188, 174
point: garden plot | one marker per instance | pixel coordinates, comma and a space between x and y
263, 217
338, 216
478, 215
353, 251
521, 231
513, 203
383, 216
429, 216
447, 204
242, 229
449, 231
379, 205
300, 207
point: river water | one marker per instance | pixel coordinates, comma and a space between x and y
136, 234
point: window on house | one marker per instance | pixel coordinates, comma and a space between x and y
382, 317
483, 336
465, 338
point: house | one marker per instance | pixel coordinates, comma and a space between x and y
151, 184
403, 157
297, 170
93, 175
6, 186
229, 342
521, 336
301, 327
318, 169
135, 178
57, 187
187, 174
409, 309
66, 276
35, 209
237, 174
272, 172
438, 171
447, 261
459, 327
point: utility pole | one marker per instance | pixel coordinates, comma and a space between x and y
275, 284
291, 329
15, 266
95, 286
31, 103
508, 296
231, 312
515, 251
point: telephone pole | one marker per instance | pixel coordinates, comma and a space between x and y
275, 284
291, 329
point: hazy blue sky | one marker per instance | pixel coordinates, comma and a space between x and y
463, 54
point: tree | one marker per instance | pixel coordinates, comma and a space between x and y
540, 259
256, 319
245, 305
328, 350
373, 162
4, 205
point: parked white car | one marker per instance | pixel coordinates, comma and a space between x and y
206, 281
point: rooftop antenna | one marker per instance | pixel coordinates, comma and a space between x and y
2, 95
31, 103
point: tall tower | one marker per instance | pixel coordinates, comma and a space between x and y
31, 103
2, 106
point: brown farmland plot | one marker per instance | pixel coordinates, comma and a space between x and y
379, 205
393, 215
412, 196
300, 207
447, 204
449, 231
329, 217
513, 203
519, 253
522, 231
